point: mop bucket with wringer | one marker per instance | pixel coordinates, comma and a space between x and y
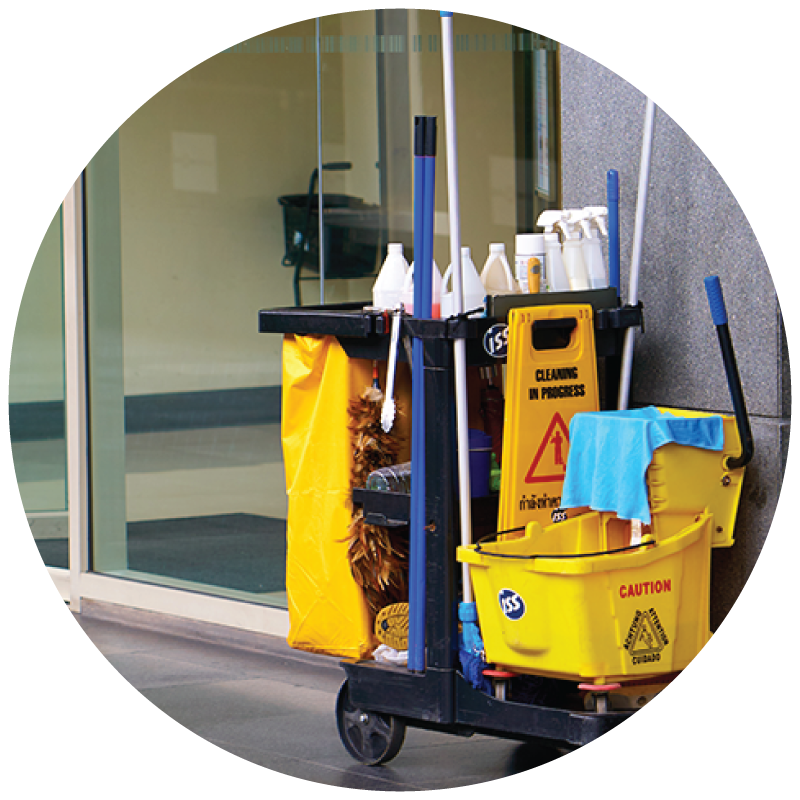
577, 600
619, 590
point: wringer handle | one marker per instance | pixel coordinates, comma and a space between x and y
716, 301
719, 315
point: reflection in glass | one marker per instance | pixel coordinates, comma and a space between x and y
204, 208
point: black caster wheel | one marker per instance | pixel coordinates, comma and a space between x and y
369, 737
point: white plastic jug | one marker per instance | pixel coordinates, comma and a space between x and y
496, 275
471, 286
436, 291
387, 291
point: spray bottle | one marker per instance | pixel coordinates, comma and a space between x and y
573, 251
387, 291
592, 247
471, 286
496, 275
527, 246
554, 277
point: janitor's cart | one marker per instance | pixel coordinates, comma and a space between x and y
533, 695
595, 632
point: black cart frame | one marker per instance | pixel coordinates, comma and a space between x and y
440, 698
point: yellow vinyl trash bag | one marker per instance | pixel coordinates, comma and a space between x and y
327, 610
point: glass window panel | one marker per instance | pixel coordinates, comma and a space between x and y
186, 242
382, 68
204, 208
36, 400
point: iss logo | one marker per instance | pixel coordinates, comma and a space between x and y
495, 340
511, 604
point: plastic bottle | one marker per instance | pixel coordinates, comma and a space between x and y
396, 478
554, 277
494, 475
592, 247
471, 286
496, 274
387, 291
436, 291
526, 246
573, 252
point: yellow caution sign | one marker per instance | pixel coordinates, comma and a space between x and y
551, 375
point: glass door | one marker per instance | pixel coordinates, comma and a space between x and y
185, 244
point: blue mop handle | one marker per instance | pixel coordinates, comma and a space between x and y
719, 315
424, 177
424, 180
612, 191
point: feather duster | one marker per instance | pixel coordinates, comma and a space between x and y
378, 557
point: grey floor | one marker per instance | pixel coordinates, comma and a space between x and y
148, 710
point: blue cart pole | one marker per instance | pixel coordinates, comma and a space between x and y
612, 190
424, 183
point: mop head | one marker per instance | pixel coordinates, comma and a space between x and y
378, 557
470, 651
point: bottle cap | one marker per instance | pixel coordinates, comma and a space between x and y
395, 249
497, 247
529, 243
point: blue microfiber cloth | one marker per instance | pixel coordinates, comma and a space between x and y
610, 451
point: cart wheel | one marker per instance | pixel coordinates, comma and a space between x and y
369, 737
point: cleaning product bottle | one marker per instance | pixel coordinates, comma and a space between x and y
496, 274
494, 475
534, 275
592, 247
387, 291
573, 251
526, 246
436, 291
554, 277
472, 289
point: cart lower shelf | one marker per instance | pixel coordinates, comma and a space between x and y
377, 700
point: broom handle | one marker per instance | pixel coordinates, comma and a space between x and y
460, 345
636, 259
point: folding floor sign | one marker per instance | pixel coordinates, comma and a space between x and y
552, 375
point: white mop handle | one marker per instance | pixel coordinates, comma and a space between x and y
460, 346
641, 202
636, 258
452, 163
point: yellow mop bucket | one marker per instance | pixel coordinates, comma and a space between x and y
545, 609
574, 600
